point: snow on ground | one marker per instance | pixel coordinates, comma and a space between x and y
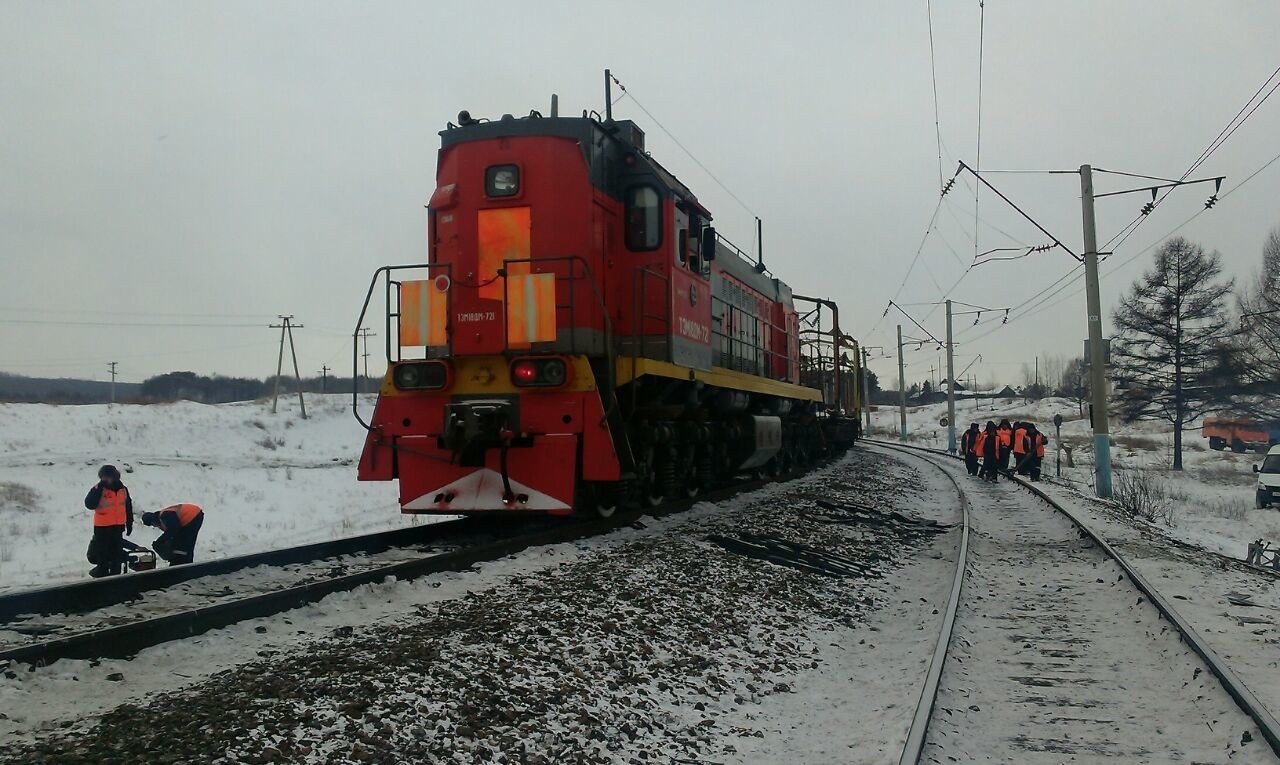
1211, 499
265, 481
655, 643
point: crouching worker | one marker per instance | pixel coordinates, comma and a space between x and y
112, 518
180, 524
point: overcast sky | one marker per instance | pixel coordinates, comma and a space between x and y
167, 166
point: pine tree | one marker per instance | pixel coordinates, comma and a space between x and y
1171, 333
1258, 342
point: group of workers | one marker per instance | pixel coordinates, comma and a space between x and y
988, 452
112, 508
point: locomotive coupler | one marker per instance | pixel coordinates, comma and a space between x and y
471, 427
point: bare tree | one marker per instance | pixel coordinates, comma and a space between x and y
1171, 337
1052, 367
1075, 382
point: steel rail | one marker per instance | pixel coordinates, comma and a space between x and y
914, 747
1231, 683
125, 640
91, 594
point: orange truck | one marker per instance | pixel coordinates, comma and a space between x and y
1240, 434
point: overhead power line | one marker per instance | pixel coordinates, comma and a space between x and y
99, 312
1044, 306
1014, 205
977, 159
165, 325
933, 71
683, 148
1245, 112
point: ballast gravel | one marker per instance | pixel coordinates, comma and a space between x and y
631, 652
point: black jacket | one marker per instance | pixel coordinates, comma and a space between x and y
94, 496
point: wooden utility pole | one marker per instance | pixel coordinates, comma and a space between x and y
286, 327
324, 379
365, 334
112, 366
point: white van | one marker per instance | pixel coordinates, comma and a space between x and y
1268, 479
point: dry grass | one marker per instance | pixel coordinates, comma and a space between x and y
1137, 442
1228, 507
1142, 494
19, 497
1227, 475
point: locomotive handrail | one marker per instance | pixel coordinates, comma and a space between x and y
383, 271
639, 312
589, 277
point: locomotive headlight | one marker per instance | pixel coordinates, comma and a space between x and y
525, 373
553, 372
427, 375
502, 180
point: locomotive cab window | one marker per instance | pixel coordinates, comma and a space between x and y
644, 219
502, 181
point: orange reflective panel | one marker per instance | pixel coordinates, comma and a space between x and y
531, 309
424, 314
503, 234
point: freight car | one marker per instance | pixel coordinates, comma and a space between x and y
581, 337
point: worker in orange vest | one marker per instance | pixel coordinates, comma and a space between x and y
181, 524
969, 447
989, 445
1004, 440
1038, 442
112, 518
1021, 451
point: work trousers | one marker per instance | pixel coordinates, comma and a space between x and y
184, 542
991, 468
971, 462
106, 550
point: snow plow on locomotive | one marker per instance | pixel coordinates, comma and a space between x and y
582, 338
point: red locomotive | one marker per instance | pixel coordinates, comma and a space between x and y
580, 337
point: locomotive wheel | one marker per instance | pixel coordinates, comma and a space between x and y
652, 493
782, 462
691, 487
604, 499
766, 472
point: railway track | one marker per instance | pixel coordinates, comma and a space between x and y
119, 616
1053, 648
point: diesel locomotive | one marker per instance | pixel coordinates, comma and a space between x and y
581, 338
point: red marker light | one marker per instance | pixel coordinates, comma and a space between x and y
525, 372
